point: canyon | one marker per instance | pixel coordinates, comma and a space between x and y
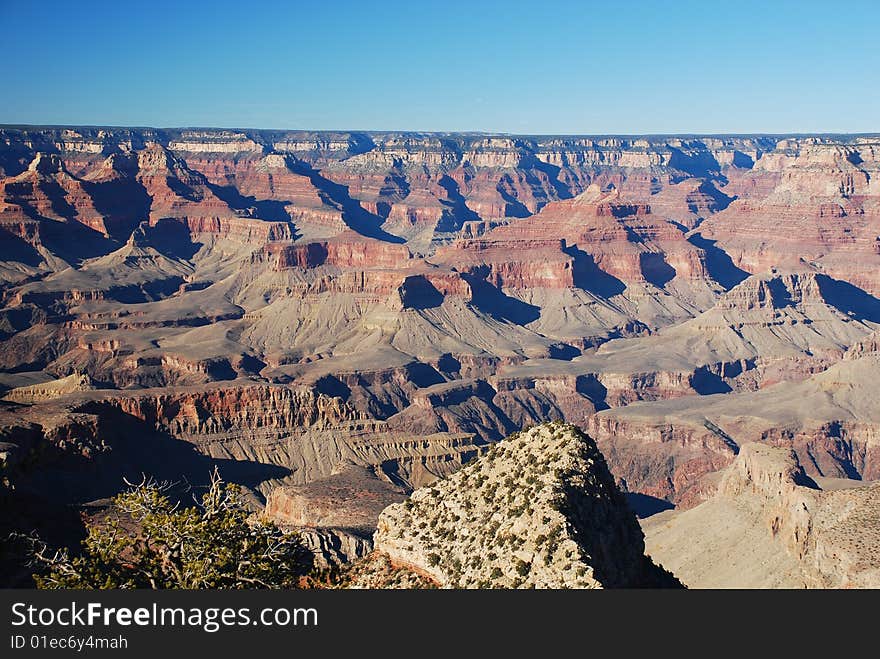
335, 320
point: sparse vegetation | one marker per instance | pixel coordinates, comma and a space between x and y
522, 526
151, 542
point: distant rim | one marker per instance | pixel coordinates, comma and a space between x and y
327, 131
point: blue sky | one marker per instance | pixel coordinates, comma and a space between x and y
517, 67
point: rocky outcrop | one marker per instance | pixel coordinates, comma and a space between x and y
346, 251
179, 193
336, 515
263, 437
334, 548
208, 411
214, 142
49, 390
267, 187
771, 473
352, 498
515, 264
624, 239
564, 244
46, 189
666, 448
250, 231
538, 510
769, 525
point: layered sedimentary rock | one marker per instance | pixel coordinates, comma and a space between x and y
595, 242
337, 514
769, 525
352, 499
346, 251
825, 195
271, 186
418, 184
49, 390
782, 326
626, 239
81, 445
47, 190
539, 510
665, 448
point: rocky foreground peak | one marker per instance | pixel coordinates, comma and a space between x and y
538, 510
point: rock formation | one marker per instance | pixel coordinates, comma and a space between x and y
336, 514
48, 390
825, 194
768, 525
538, 510
829, 419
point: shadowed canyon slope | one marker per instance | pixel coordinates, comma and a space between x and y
336, 319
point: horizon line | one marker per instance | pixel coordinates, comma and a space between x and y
4, 126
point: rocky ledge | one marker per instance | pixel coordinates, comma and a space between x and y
538, 510
769, 525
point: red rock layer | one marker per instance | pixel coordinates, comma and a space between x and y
175, 190
270, 178
239, 229
625, 240
347, 251
46, 189
511, 263
215, 410
352, 264
824, 206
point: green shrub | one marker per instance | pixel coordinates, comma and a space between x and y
215, 544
